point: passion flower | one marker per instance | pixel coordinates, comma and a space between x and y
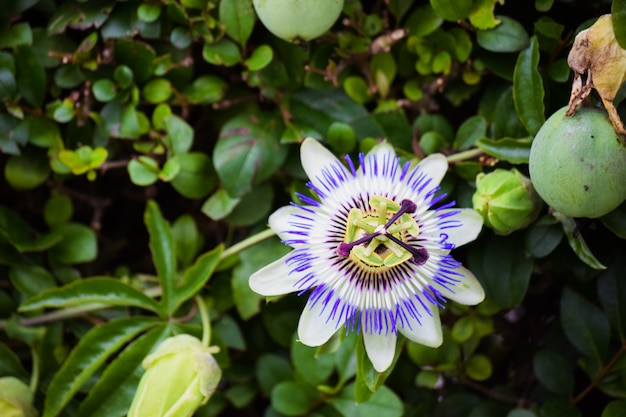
578, 165
373, 251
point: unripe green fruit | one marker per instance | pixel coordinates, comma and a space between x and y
578, 165
294, 20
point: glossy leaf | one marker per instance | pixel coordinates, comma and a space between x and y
78, 243
30, 75
508, 36
516, 151
238, 17
112, 395
528, 88
89, 354
107, 291
469, 132
248, 152
197, 177
223, 52
585, 325
163, 254
294, 398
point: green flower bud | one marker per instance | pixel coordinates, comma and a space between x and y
181, 375
506, 199
16, 398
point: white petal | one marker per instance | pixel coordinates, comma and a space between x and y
380, 349
436, 166
314, 329
427, 331
315, 157
274, 279
472, 224
279, 221
468, 292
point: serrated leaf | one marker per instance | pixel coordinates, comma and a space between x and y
112, 395
88, 355
107, 291
528, 88
585, 325
163, 253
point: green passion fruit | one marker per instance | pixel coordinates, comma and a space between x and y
298, 20
577, 164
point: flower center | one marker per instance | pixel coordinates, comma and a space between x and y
378, 237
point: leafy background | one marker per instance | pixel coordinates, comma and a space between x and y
141, 142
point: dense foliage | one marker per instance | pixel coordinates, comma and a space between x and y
143, 145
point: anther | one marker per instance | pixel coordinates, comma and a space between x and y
420, 255
406, 206
344, 248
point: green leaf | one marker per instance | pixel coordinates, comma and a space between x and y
615, 409
248, 151
503, 269
615, 221
196, 276
30, 75
31, 280
542, 238
223, 52
26, 171
78, 244
260, 58
206, 89
515, 151
20, 235
271, 370
148, 12
469, 132
577, 242
10, 364
219, 205
585, 325
108, 291
179, 134
238, 17
356, 87
143, 170
521, 412
313, 368
618, 16
197, 177
452, 10
104, 90
612, 294
554, 372
88, 355
38, 131
478, 367
137, 56
528, 88
253, 207
157, 90
58, 209
423, 21
508, 36
294, 398
112, 395
187, 239
163, 254
384, 402
253, 259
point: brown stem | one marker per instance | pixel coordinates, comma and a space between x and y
520, 402
600, 375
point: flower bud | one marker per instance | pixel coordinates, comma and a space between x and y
506, 199
181, 375
16, 398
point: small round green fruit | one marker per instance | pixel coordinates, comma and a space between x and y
578, 165
298, 20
